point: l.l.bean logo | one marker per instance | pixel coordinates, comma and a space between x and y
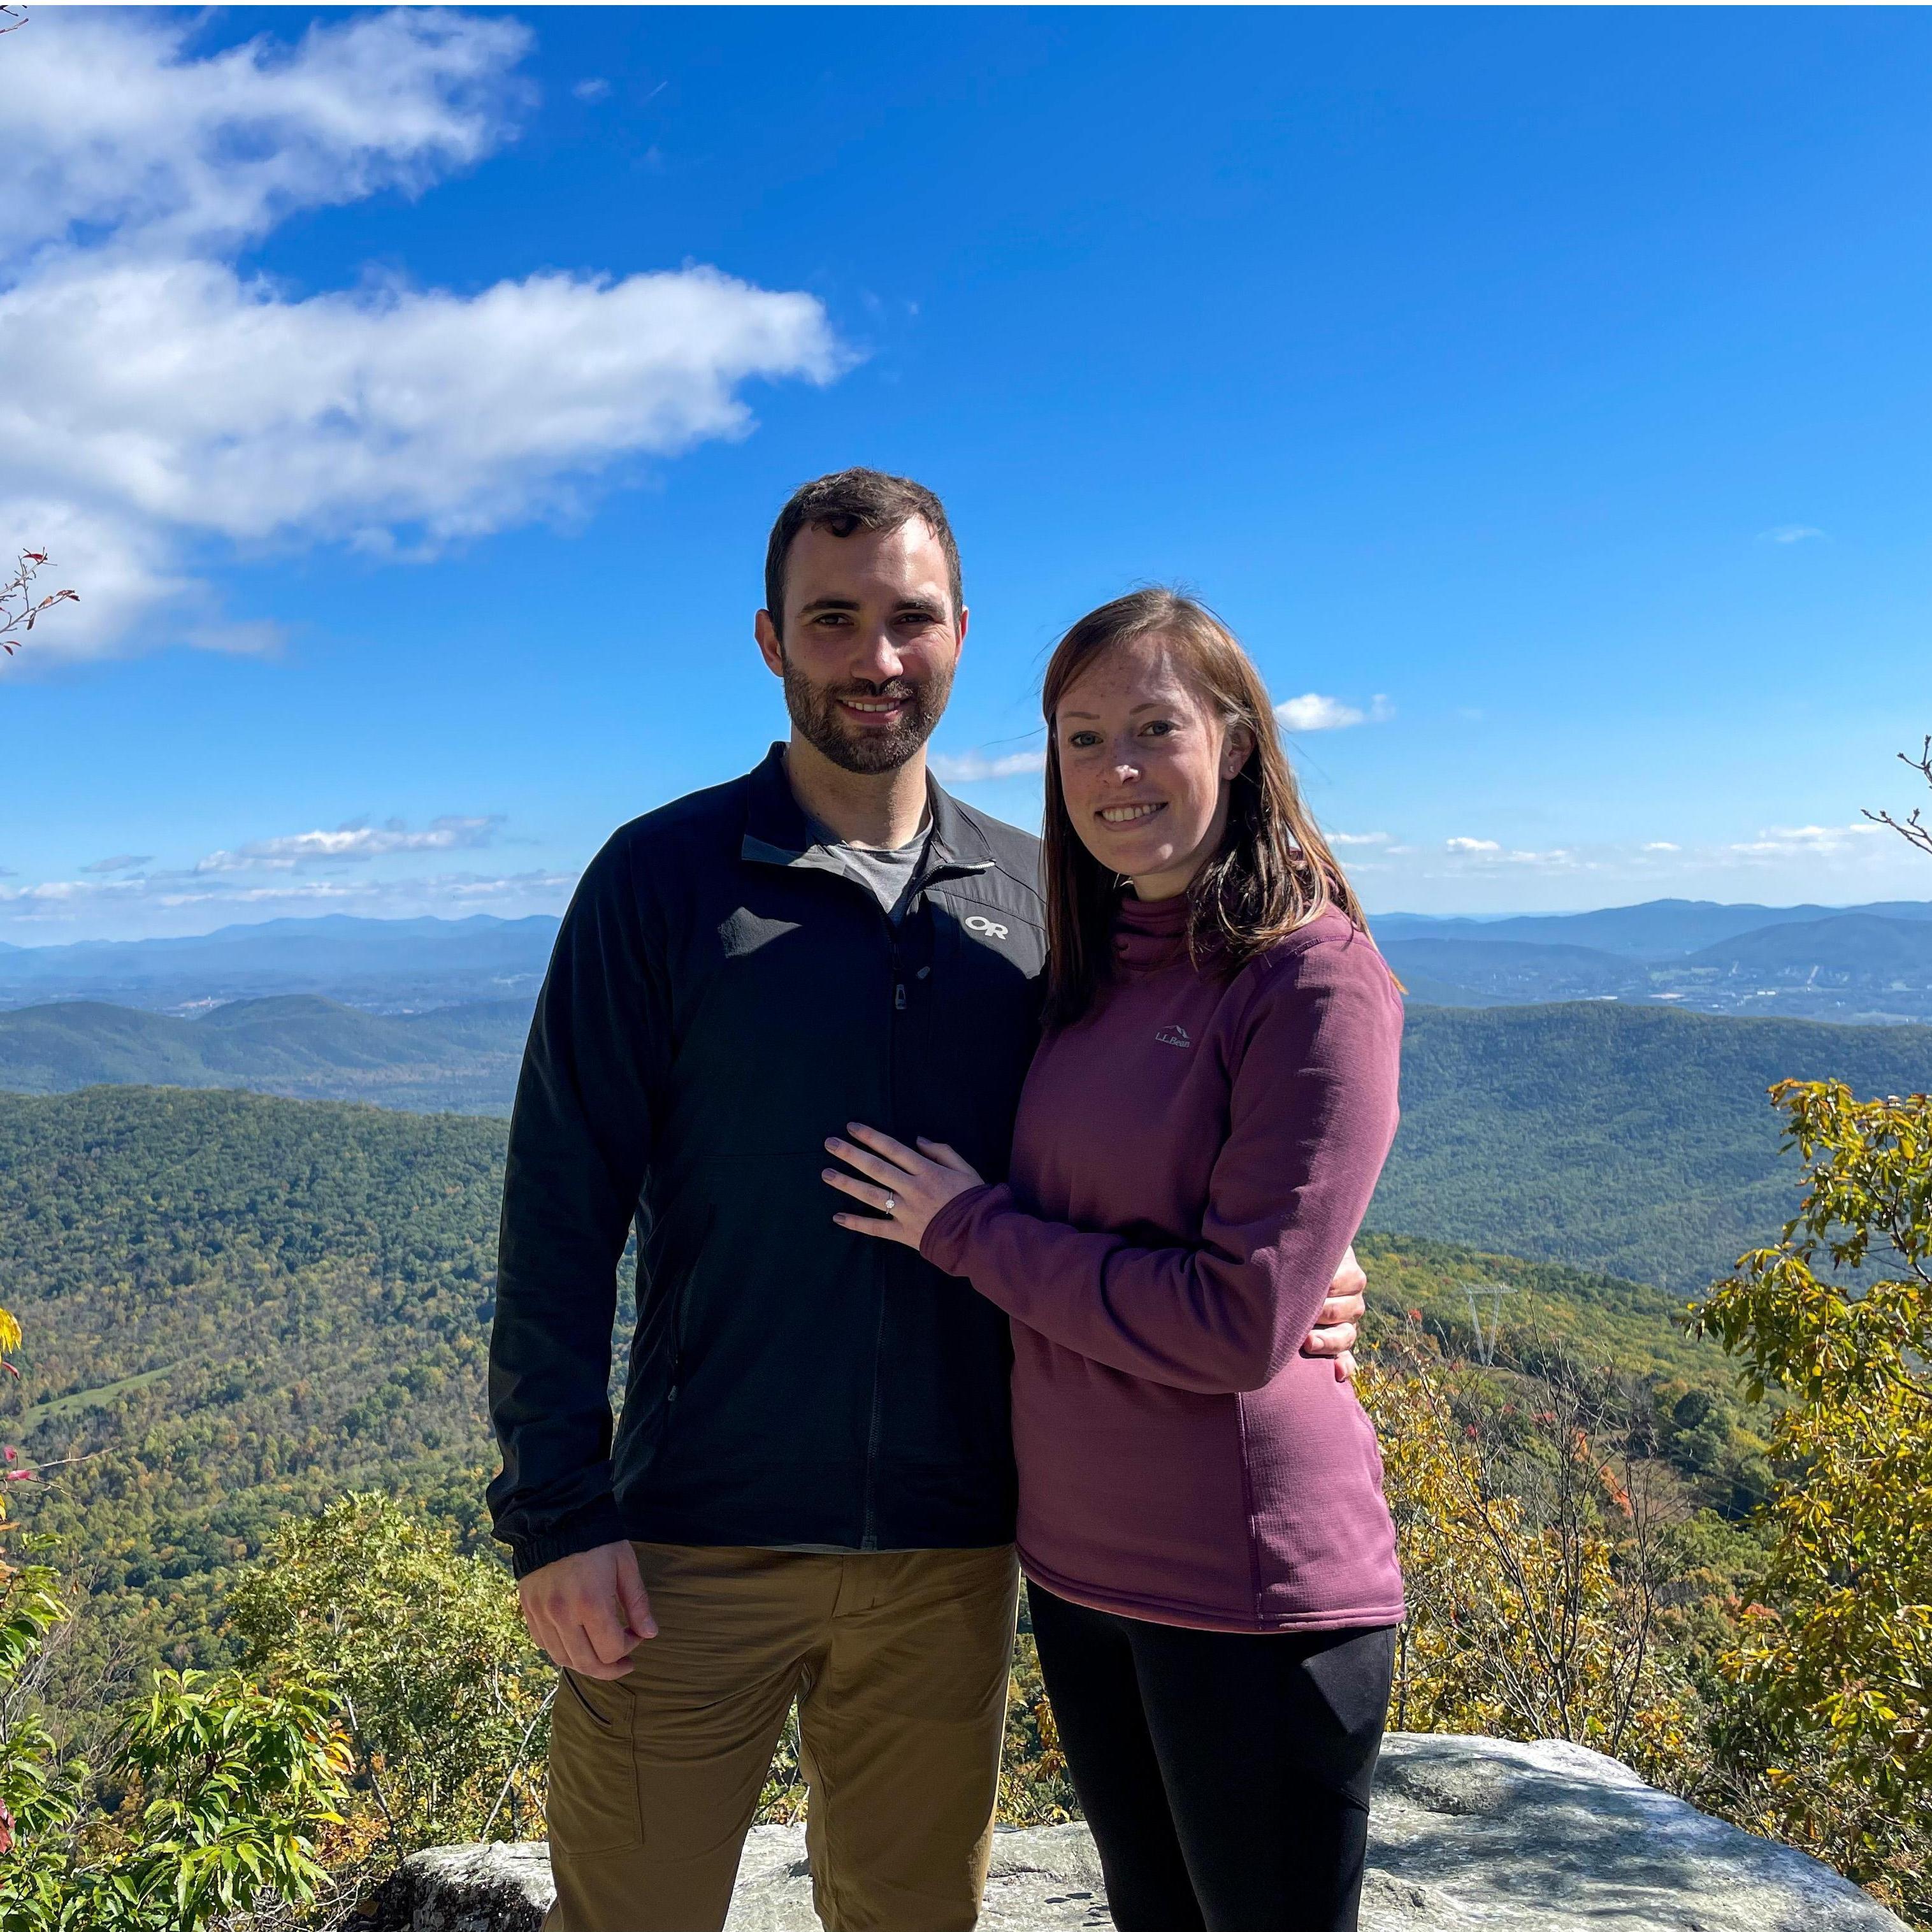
978, 922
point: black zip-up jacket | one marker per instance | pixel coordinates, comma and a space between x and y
721, 997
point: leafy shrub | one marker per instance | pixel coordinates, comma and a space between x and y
1831, 1734
446, 1699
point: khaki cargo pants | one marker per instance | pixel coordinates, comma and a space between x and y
899, 1662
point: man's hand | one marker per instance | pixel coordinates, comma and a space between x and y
1333, 1334
589, 1612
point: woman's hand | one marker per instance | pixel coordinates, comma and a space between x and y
906, 1186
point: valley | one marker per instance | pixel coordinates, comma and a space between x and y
237, 1307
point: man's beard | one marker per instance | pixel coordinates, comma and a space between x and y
815, 710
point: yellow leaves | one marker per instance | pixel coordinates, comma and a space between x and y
10, 1334
1840, 1681
1528, 1616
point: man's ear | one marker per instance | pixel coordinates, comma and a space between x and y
769, 648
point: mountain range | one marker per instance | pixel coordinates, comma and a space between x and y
387, 965
459, 1059
1860, 965
1869, 965
1635, 1139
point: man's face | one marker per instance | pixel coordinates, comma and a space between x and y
870, 644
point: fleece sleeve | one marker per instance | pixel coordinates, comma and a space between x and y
580, 1144
1312, 1113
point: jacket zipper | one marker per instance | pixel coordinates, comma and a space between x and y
681, 1306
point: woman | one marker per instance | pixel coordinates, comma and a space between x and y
1210, 1564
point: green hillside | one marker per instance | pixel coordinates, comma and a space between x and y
458, 1059
1635, 1140
1629, 1139
237, 1307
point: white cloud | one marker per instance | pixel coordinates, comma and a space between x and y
975, 767
1312, 712
1358, 838
353, 844
113, 121
1662, 845
157, 397
593, 89
1483, 853
1789, 533
1791, 842
147, 902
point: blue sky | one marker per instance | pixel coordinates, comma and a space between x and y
408, 397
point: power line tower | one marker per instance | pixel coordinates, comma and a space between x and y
1495, 1293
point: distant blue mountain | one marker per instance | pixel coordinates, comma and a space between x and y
1660, 929
385, 963
1860, 965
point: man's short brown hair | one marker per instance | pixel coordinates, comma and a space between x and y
855, 500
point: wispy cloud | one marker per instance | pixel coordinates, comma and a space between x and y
352, 844
1358, 838
1789, 533
122, 862
159, 397
1662, 845
975, 767
595, 88
1486, 854
145, 901
1312, 712
1794, 842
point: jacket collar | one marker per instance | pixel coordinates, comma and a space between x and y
777, 832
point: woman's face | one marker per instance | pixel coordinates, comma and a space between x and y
1145, 763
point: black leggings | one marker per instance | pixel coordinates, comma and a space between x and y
1225, 1777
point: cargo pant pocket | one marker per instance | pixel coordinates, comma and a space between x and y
593, 1767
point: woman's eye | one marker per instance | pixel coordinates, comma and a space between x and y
1159, 727
1080, 741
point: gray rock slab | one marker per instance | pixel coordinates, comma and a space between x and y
1466, 1833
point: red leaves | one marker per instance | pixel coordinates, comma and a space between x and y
18, 590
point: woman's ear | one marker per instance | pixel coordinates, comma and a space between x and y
1236, 750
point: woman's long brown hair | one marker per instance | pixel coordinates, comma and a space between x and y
1274, 871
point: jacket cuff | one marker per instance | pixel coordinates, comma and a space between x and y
949, 1231
587, 1528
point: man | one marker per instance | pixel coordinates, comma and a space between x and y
810, 1492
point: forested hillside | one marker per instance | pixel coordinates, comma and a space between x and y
1636, 1140
237, 1307
454, 1059
1627, 1138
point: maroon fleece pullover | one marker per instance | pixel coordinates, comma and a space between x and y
1191, 1161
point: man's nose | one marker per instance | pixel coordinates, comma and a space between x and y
878, 659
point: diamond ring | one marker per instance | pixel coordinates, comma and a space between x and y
891, 1203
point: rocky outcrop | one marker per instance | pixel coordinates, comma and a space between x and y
1467, 1833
